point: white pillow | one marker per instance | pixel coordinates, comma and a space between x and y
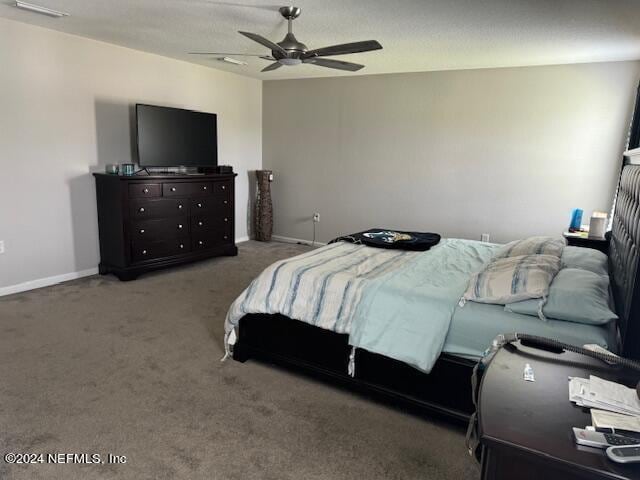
532, 246
513, 279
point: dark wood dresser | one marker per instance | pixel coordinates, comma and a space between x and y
155, 221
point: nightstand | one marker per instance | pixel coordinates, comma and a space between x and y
525, 427
582, 240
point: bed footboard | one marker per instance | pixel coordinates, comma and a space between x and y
325, 355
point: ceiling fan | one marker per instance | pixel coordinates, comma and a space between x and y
291, 52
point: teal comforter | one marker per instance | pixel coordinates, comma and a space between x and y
406, 315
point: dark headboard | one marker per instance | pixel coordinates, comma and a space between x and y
624, 245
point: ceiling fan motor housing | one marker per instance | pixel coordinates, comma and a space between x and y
295, 50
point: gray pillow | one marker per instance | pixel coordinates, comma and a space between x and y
585, 259
575, 295
532, 246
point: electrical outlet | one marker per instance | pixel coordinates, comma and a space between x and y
1, 246
316, 217
484, 237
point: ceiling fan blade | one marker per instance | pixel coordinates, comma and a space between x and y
345, 48
266, 57
263, 41
273, 66
337, 64
227, 53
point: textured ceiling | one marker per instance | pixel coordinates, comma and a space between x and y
417, 35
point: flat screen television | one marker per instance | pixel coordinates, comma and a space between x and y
173, 137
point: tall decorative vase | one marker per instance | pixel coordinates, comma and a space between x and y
264, 207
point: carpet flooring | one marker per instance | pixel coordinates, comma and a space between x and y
133, 369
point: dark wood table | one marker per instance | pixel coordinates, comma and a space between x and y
601, 244
525, 427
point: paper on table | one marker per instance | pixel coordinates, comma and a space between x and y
578, 389
617, 421
611, 394
603, 395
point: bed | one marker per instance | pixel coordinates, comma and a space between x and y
322, 338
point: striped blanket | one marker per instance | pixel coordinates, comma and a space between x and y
322, 287
395, 303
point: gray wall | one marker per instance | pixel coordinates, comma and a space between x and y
502, 151
65, 111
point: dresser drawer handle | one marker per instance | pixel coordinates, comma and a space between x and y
200, 242
142, 230
179, 226
225, 202
146, 190
179, 207
141, 209
224, 187
199, 205
182, 245
144, 252
226, 237
204, 188
226, 219
200, 224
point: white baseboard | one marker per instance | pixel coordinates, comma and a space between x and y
46, 282
280, 238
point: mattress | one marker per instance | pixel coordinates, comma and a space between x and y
475, 325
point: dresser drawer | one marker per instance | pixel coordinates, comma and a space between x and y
218, 204
144, 250
160, 229
141, 190
202, 223
142, 208
204, 240
221, 188
186, 189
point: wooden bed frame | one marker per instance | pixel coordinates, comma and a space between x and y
447, 389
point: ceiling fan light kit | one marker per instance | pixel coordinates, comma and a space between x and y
291, 52
290, 62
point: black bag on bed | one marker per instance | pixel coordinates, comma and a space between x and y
386, 238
